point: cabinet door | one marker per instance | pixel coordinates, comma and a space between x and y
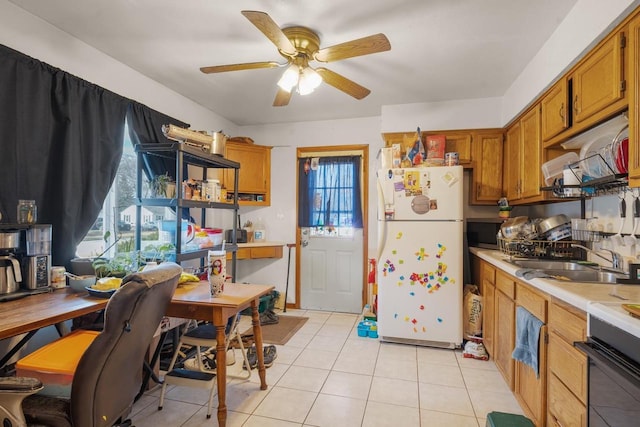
511, 163
597, 82
564, 408
459, 143
531, 390
254, 161
634, 102
487, 174
488, 316
531, 150
505, 340
555, 114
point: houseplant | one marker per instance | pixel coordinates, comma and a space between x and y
163, 186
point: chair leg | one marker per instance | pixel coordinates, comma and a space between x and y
164, 383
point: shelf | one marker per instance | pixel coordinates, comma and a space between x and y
193, 155
185, 203
182, 155
608, 184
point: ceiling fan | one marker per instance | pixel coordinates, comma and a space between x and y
300, 45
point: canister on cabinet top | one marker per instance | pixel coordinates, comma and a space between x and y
451, 159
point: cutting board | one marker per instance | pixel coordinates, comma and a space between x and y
632, 309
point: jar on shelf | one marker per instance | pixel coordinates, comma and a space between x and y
27, 212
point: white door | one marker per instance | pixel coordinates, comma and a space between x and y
331, 272
332, 227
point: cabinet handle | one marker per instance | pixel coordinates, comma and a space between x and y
562, 112
575, 105
478, 191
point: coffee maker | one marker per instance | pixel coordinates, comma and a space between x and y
36, 257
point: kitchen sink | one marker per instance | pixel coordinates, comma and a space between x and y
546, 264
590, 276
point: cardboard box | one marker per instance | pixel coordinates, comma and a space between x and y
435, 146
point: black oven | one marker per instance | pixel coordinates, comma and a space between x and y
614, 375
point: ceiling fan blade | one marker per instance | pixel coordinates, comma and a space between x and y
270, 29
342, 83
282, 98
237, 67
364, 46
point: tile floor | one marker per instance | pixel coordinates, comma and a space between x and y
328, 376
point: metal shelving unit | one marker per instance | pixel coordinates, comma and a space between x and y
183, 154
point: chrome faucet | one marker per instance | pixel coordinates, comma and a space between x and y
616, 258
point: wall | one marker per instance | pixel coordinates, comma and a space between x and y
59, 49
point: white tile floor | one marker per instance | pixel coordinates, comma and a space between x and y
328, 376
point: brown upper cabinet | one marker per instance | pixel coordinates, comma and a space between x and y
487, 167
634, 102
523, 153
456, 141
555, 111
255, 172
598, 81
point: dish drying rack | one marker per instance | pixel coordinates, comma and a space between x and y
607, 184
527, 248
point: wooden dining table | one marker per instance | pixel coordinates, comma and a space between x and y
29, 314
196, 302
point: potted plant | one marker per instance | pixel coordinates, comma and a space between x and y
163, 186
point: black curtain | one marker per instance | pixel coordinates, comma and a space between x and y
331, 188
145, 127
60, 143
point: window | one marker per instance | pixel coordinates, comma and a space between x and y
330, 195
114, 230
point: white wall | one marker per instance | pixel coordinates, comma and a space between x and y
32, 36
461, 114
586, 24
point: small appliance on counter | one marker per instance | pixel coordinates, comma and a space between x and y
25, 259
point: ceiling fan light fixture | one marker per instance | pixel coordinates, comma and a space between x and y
309, 81
289, 78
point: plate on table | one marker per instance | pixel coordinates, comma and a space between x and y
100, 294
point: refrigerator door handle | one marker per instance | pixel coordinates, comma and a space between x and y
382, 223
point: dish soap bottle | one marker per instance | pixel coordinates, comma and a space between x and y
259, 232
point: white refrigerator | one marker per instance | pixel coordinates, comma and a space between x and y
420, 244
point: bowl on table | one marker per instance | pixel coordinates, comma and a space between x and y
79, 283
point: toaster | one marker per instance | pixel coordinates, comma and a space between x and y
241, 235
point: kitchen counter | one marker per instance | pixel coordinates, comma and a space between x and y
593, 298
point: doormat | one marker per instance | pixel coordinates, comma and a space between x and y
281, 332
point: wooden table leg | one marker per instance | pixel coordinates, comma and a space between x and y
221, 371
257, 335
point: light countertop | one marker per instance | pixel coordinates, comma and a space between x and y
592, 298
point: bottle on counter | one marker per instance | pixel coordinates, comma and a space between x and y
259, 232
27, 212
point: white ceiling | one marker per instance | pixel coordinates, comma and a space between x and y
440, 49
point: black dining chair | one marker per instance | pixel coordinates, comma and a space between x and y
109, 374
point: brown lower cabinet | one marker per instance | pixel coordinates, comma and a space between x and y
558, 396
505, 319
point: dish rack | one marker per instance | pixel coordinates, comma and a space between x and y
538, 248
586, 235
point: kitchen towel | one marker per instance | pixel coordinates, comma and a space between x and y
527, 339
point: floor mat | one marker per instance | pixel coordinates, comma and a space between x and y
280, 332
